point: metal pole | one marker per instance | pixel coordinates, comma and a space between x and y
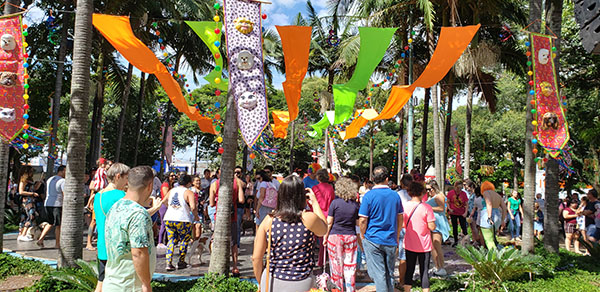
411, 111
292, 137
196, 156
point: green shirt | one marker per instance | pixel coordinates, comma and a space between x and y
103, 201
128, 225
514, 205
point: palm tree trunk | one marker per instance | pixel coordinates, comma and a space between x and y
450, 89
219, 258
554, 10
467, 150
97, 111
138, 122
123, 112
535, 12
436, 122
400, 156
164, 138
424, 130
62, 52
72, 229
371, 146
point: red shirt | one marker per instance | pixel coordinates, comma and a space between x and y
234, 199
325, 195
457, 203
162, 193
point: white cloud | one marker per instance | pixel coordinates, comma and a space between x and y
279, 19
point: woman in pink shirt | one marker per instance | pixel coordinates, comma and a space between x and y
458, 204
419, 222
325, 194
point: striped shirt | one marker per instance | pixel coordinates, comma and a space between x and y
100, 181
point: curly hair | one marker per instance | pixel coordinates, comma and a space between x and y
346, 189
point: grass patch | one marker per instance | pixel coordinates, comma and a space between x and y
11, 266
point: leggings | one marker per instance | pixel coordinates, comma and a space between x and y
178, 232
161, 232
488, 237
342, 260
411, 262
463, 225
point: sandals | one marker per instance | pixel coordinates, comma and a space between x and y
235, 272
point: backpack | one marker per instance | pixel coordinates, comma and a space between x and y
270, 196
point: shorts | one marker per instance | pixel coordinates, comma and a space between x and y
538, 226
401, 251
592, 231
101, 269
54, 214
570, 227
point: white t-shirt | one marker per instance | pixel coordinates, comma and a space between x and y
263, 185
404, 196
54, 192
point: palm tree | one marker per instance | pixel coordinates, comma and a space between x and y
71, 237
124, 100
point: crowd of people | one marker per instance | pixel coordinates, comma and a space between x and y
303, 223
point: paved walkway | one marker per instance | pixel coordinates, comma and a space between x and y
49, 254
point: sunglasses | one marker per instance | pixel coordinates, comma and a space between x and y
238, 172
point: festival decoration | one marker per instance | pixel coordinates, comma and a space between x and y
53, 37
13, 80
454, 136
295, 42
551, 127
245, 79
374, 42
333, 40
335, 163
210, 33
117, 30
451, 44
281, 120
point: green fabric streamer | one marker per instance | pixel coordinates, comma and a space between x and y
206, 31
374, 42
319, 127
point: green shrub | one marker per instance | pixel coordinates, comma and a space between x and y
181, 286
220, 283
11, 265
83, 279
593, 249
497, 266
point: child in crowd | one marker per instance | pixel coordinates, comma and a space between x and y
538, 221
581, 218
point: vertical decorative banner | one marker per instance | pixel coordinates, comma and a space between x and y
243, 31
335, 163
552, 130
281, 120
13, 102
454, 135
210, 33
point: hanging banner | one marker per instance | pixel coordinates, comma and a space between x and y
281, 120
454, 136
295, 43
335, 163
117, 30
13, 105
207, 31
453, 41
374, 42
243, 32
552, 127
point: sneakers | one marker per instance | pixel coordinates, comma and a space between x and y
182, 265
170, 268
441, 272
24, 238
161, 246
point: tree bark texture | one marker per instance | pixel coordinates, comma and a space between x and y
551, 222
219, 258
138, 121
72, 217
424, 129
58, 84
96, 134
467, 150
448, 119
123, 113
527, 246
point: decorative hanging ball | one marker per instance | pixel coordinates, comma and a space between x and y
217, 44
26, 86
217, 104
528, 54
25, 136
25, 96
217, 80
162, 48
26, 116
553, 55
527, 44
217, 92
26, 126
26, 107
531, 82
532, 92
535, 151
217, 18
331, 32
154, 24
217, 31
403, 55
399, 62
534, 141
25, 146
252, 155
217, 6
219, 139
533, 111
530, 73
545, 159
218, 128
532, 102
24, 26
217, 117
221, 150
25, 65
528, 63
537, 159
217, 56
157, 33
25, 33
413, 32
264, 16
535, 133
160, 40
554, 49
165, 54
535, 123
564, 103
410, 41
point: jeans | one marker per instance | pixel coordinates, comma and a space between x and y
515, 226
463, 225
381, 260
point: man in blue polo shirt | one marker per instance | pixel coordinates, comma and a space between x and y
380, 224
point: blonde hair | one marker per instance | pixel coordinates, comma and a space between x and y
346, 189
116, 169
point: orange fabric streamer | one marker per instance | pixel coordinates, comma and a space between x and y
295, 42
281, 119
451, 45
117, 30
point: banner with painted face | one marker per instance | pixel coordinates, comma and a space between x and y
13, 106
243, 31
551, 127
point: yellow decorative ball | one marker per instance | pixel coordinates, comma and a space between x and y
220, 139
165, 54
530, 73
25, 146
25, 45
535, 123
26, 96
410, 41
217, 80
217, 18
